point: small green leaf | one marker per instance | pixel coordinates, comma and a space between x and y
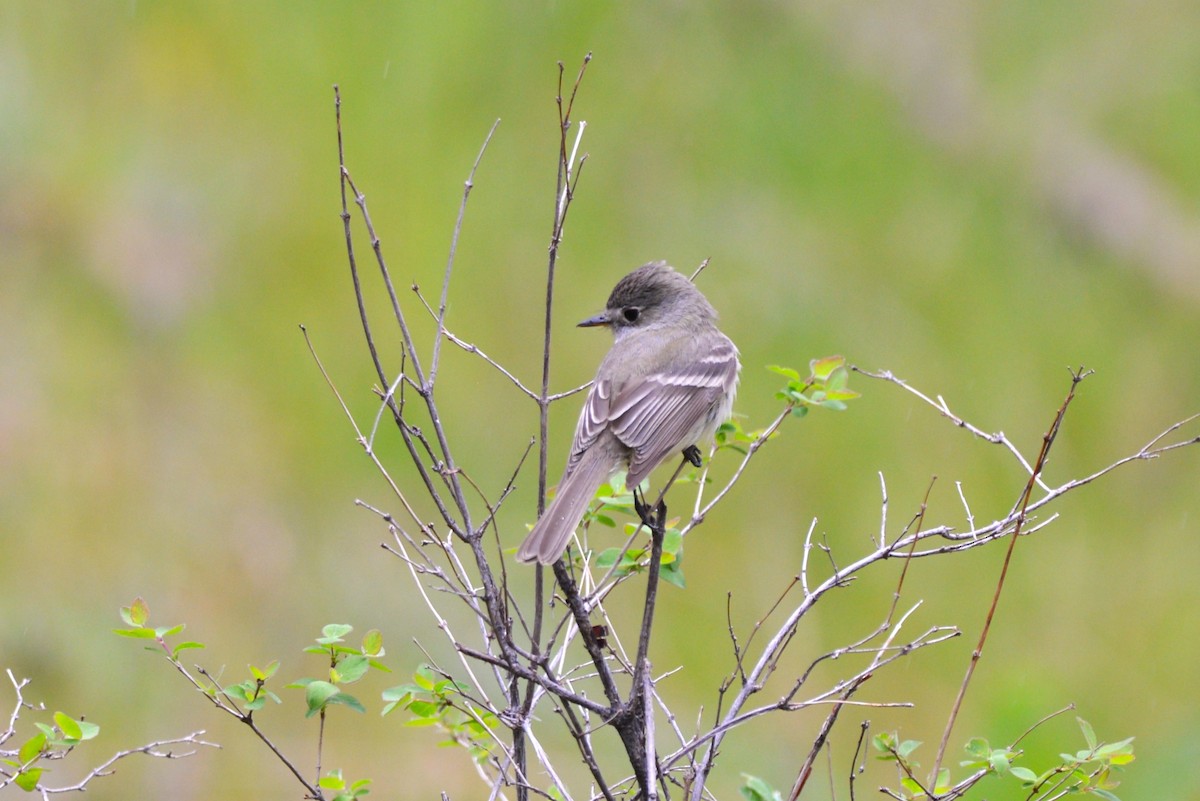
27, 780
672, 573
978, 747
137, 634
913, 786
168, 631
334, 632
823, 368
943, 781
1117, 748
786, 372
69, 727
352, 668
184, 646
31, 748
1089, 734
372, 643
755, 789
88, 730
137, 613
673, 541
1024, 774
424, 678
907, 747
423, 709
345, 699
606, 558
317, 694
332, 781
998, 761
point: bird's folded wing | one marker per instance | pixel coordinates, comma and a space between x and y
654, 415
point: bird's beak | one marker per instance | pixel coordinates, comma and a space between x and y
591, 322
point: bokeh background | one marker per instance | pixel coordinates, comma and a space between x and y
974, 196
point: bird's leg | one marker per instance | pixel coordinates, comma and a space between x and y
692, 454
654, 517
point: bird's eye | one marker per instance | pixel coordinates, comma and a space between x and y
631, 314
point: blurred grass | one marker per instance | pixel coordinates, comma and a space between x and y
865, 183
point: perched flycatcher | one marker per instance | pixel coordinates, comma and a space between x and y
666, 384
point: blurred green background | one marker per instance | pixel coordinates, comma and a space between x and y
974, 196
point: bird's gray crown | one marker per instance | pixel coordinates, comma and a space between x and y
654, 287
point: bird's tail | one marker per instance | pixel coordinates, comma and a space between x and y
553, 530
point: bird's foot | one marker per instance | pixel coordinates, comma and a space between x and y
692, 454
653, 517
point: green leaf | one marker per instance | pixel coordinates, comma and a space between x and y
334, 632
137, 613
913, 786
786, 372
1105, 794
184, 646
755, 789
332, 781
372, 643
672, 573
1113, 749
352, 668
999, 762
1024, 774
673, 542
943, 781
423, 709
27, 780
907, 747
606, 558
978, 747
317, 694
88, 730
168, 631
69, 727
345, 699
137, 634
823, 368
1089, 735
31, 748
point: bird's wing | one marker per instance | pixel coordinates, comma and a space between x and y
654, 415
593, 419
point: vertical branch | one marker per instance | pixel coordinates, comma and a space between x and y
439, 334
563, 194
397, 415
1047, 441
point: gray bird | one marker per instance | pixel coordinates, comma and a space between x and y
667, 384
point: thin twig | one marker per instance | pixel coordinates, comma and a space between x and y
1023, 504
